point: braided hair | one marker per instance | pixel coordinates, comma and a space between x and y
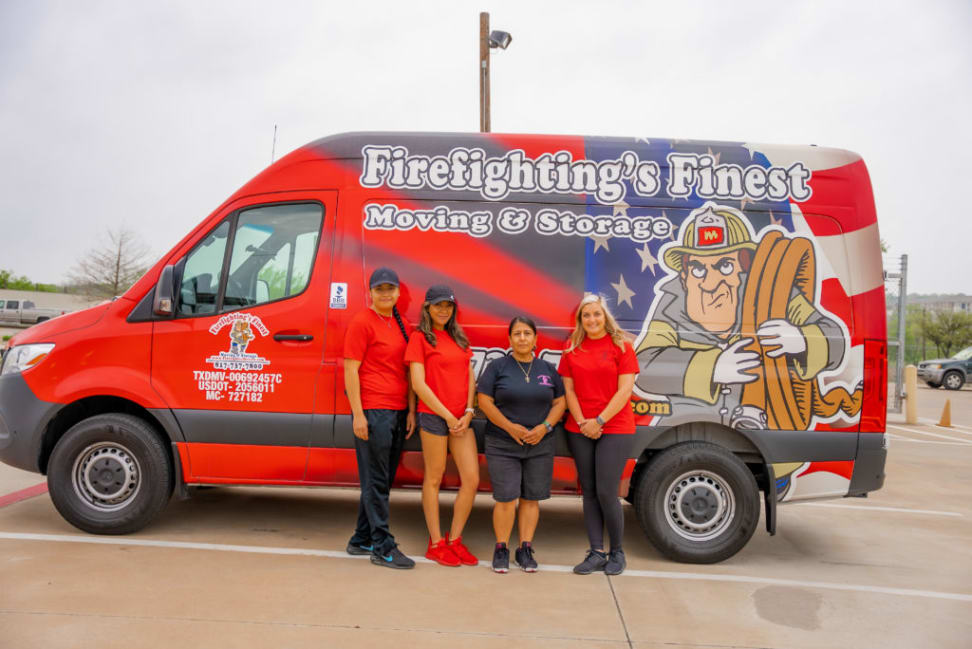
398, 319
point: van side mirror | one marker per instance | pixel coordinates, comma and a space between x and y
164, 301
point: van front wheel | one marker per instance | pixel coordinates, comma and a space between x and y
697, 503
109, 474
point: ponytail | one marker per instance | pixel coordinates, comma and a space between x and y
398, 319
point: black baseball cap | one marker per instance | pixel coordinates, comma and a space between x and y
439, 293
383, 275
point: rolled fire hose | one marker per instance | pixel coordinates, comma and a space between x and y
779, 265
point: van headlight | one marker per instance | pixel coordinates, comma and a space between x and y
24, 357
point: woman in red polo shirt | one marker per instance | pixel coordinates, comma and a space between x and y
383, 413
599, 369
439, 363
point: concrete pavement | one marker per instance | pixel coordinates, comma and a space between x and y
257, 567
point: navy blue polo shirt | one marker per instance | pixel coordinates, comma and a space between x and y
522, 402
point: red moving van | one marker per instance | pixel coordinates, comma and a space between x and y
223, 364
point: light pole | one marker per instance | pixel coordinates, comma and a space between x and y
487, 40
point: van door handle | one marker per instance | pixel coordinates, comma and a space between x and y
301, 338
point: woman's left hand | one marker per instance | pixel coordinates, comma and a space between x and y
535, 435
409, 424
462, 425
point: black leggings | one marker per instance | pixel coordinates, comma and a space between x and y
600, 463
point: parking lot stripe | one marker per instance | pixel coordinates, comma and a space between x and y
902, 438
930, 512
651, 574
23, 494
959, 428
922, 432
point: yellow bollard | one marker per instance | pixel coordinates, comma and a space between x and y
946, 420
911, 393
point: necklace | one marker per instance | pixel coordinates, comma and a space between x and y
526, 372
386, 320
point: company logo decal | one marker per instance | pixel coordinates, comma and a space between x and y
241, 326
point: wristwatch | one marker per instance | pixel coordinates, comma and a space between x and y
470, 411
600, 422
547, 426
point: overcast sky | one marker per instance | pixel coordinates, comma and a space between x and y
151, 114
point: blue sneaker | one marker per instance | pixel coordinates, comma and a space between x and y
394, 559
359, 550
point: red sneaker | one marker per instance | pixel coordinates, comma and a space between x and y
442, 554
461, 551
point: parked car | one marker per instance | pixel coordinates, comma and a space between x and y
951, 372
26, 312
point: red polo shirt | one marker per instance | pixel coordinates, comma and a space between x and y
378, 343
446, 369
595, 366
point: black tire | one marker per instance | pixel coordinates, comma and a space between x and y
110, 474
953, 380
722, 515
934, 386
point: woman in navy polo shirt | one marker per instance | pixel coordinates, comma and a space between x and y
523, 398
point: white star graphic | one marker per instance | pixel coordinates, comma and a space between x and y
774, 220
621, 208
715, 156
643, 139
624, 293
601, 242
647, 259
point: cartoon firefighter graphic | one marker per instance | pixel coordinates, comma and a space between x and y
734, 335
240, 336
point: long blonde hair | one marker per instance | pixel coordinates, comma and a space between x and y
610, 324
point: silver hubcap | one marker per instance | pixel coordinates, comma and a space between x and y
699, 505
953, 381
106, 476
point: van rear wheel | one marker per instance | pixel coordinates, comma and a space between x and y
697, 503
110, 474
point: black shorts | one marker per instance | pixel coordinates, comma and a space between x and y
519, 471
433, 424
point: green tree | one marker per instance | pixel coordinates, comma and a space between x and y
949, 331
23, 283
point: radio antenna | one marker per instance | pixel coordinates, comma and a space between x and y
273, 148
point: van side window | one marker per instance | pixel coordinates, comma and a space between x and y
200, 278
29, 305
273, 253
13, 304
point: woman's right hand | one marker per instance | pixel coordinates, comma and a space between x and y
359, 425
518, 432
590, 428
452, 423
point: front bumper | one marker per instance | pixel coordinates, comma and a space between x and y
23, 420
929, 375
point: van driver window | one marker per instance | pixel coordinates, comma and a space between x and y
13, 304
273, 254
200, 278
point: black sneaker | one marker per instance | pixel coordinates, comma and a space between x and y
593, 562
616, 563
394, 559
359, 550
501, 558
524, 557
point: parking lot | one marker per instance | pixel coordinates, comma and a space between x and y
255, 567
